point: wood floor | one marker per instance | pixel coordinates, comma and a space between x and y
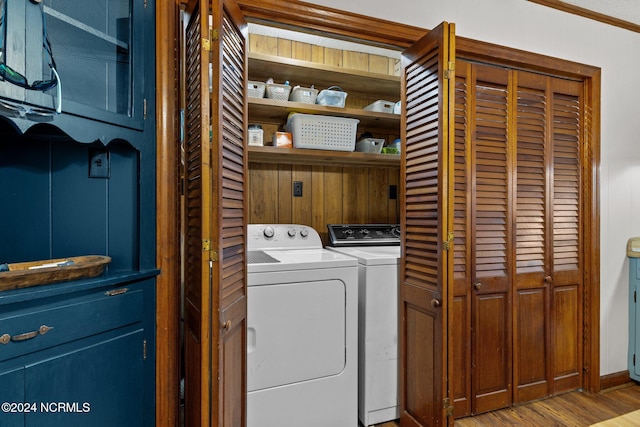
567, 410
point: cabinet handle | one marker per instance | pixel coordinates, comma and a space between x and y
435, 303
28, 335
547, 279
226, 325
477, 286
4, 339
114, 292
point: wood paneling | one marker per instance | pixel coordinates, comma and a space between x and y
330, 195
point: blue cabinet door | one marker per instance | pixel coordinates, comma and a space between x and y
98, 384
11, 396
100, 53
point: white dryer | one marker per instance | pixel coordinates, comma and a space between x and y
377, 248
301, 330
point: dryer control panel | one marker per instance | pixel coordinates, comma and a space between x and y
364, 234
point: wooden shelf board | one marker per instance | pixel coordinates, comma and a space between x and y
322, 76
268, 154
275, 111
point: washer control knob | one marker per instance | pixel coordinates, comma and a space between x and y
304, 232
268, 232
291, 232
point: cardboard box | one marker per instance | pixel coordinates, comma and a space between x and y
282, 139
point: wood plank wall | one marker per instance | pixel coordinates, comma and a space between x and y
331, 194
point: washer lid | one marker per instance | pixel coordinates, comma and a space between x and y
372, 255
301, 259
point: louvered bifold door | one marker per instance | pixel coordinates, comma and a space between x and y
532, 238
197, 276
426, 220
566, 228
461, 326
215, 197
491, 241
228, 238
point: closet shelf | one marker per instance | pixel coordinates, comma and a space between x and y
298, 156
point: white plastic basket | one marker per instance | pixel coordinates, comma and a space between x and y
255, 89
381, 106
279, 92
303, 94
323, 132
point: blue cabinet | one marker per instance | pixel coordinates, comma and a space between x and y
633, 252
83, 357
78, 342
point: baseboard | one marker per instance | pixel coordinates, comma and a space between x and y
614, 380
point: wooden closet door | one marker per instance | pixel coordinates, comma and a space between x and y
532, 301
461, 326
548, 278
566, 227
491, 240
426, 223
215, 209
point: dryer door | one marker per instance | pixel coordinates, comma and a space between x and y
296, 332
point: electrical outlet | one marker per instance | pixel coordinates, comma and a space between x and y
393, 192
99, 163
297, 188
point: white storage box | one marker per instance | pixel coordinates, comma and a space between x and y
381, 106
322, 132
370, 145
332, 97
255, 89
279, 92
303, 94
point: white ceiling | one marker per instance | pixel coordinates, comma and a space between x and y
626, 10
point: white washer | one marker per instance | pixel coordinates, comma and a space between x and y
377, 248
302, 304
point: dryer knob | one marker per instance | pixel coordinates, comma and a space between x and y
304, 232
268, 232
291, 232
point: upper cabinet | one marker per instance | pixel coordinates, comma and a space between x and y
96, 49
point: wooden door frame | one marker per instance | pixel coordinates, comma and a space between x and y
368, 30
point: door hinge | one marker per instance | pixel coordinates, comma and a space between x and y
145, 4
144, 109
450, 71
206, 44
206, 247
446, 245
634, 296
634, 360
144, 349
446, 404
